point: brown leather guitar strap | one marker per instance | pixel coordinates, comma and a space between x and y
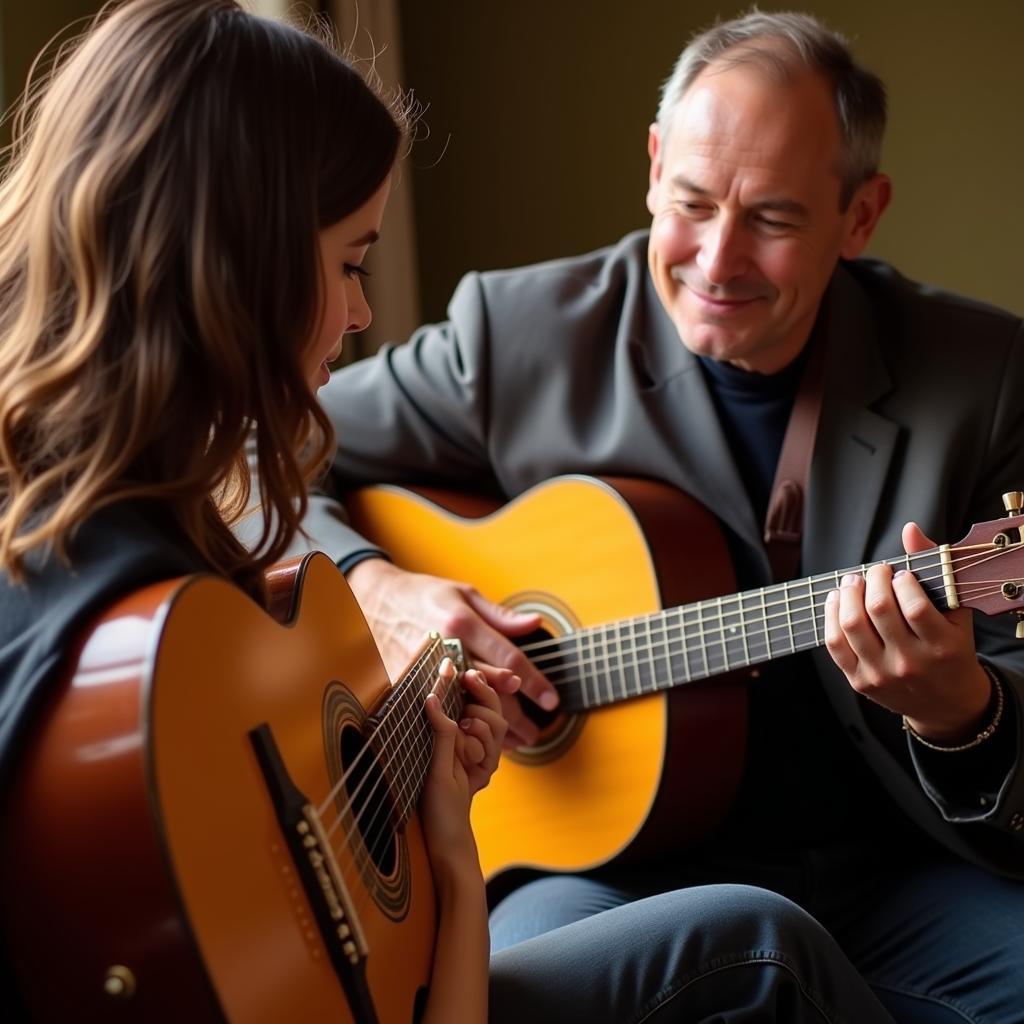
784, 520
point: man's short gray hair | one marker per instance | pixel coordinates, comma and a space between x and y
781, 43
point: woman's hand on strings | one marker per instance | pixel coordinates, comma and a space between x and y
464, 758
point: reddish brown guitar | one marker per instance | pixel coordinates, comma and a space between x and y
216, 817
625, 576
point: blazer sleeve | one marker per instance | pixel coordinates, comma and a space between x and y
985, 785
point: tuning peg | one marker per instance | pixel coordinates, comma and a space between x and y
1013, 502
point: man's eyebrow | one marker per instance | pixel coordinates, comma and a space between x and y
680, 181
368, 239
790, 206
779, 205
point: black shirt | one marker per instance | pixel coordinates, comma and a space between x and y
804, 783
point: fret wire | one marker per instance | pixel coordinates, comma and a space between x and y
764, 620
743, 633
633, 659
703, 637
704, 631
589, 647
649, 643
789, 617
721, 626
614, 660
810, 599
985, 552
669, 671
599, 651
694, 642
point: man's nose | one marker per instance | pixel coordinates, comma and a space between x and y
723, 253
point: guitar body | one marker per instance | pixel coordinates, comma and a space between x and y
620, 781
145, 875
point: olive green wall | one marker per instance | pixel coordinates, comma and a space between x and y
538, 114
25, 27
539, 111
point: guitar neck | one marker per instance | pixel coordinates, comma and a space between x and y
400, 734
633, 657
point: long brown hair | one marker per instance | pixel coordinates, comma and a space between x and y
159, 273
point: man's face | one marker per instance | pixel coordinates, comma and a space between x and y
747, 230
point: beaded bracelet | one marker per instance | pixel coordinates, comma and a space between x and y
997, 717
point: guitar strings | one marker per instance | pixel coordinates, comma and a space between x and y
419, 754
733, 605
370, 839
417, 682
656, 654
800, 597
416, 754
363, 849
394, 700
608, 657
714, 626
427, 666
719, 632
677, 660
361, 854
788, 591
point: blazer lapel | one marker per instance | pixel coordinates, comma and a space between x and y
846, 483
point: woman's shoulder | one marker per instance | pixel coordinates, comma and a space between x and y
117, 550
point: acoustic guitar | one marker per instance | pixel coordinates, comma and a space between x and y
216, 817
647, 646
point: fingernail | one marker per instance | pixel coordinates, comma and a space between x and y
831, 597
464, 724
849, 580
549, 700
514, 683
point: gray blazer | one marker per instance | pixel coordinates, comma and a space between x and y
572, 366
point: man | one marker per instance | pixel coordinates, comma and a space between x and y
883, 790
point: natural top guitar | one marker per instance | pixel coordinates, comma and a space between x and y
622, 574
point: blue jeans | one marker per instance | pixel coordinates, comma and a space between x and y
939, 942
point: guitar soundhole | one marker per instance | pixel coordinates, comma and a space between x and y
370, 799
551, 665
558, 728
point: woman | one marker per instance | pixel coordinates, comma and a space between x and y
183, 221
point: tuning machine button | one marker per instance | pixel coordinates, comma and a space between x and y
1013, 502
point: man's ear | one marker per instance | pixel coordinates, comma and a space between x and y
865, 211
654, 152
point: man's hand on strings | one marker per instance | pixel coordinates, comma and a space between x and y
401, 606
896, 648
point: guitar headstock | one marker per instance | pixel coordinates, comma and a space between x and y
987, 566
457, 653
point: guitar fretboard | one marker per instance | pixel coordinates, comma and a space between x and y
606, 664
401, 736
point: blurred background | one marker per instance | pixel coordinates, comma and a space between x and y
533, 140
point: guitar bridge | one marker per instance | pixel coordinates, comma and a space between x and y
321, 878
